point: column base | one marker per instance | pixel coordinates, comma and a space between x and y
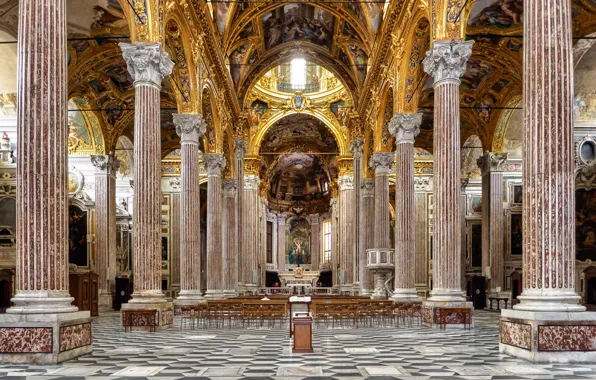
366, 292
431, 312
141, 322
552, 337
187, 301
345, 289
106, 300
214, 294
545, 300
44, 338
251, 289
422, 290
447, 295
405, 296
230, 293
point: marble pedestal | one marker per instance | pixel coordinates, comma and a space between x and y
214, 294
106, 300
431, 309
405, 296
230, 293
554, 337
165, 313
179, 302
44, 338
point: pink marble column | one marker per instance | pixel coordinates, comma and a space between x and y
356, 148
281, 242
42, 321
148, 64
382, 163
214, 163
446, 62
106, 167
42, 168
335, 257
405, 128
492, 222
190, 128
230, 242
250, 230
346, 232
315, 241
240, 149
367, 233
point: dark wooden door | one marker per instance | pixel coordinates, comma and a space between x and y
479, 292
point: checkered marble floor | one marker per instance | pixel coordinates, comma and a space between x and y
388, 353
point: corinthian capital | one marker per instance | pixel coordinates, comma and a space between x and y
229, 187
446, 60
356, 147
190, 127
148, 64
382, 162
240, 147
405, 127
105, 164
491, 162
214, 163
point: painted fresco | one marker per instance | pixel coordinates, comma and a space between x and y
298, 241
237, 60
516, 234
476, 71
257, 110
350, 32
471, 151
355, 7
512, 143
497, 13
221, 10
299, 130
78, 134
584, 105
360, 60
298, 22
585, 224
339, 109
374, 14
77, 236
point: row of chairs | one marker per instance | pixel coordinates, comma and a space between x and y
233, 314
367, 314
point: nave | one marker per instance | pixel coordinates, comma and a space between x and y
409, 353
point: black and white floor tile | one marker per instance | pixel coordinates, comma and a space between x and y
414, 353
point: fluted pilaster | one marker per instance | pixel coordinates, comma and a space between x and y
42, 204
405, 127
106, 167
148, 65
382, 163
446, 62
190, 128
230, 247
492, 219
214, 163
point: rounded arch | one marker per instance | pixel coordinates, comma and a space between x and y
503, 123
330, 122
84, 129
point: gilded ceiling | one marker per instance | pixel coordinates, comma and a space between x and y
226, 52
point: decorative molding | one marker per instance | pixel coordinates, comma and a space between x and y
446, 60
405, 127
346, 182
251, 182
423, 183
148, 64
175, 183
190, 127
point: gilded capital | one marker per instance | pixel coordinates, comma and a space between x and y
446, 60
190, 127
405, 127
148, 64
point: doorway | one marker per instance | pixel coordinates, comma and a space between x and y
479, 292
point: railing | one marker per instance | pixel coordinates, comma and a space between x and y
307, 88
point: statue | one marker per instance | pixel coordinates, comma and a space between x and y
298, 253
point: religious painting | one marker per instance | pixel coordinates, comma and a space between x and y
476, 71
350, 32
339, 109
500, 85
257, 110
516, 234
298, 22
298, 241
584, 105
476, 204
360, 60
222, 7
97, 87
237, 60
78, 134
77, 236
514, 134
75, 183
248, 31
118, 74
516, 194
108, 15
497, 13
374, 14
471, 152
585, 224
356, 8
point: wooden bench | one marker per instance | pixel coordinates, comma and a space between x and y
498, 299
152, 317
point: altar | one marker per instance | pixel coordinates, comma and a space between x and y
305, 278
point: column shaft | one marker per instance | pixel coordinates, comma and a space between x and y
230, 248
357, 154
240, 149
382, 163
346, 231
250, 230
367, 233
281, 242
421, 233
175, 219
214, 163
315, 238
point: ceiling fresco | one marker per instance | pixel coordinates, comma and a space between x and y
299, 133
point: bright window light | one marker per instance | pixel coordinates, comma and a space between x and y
298, 72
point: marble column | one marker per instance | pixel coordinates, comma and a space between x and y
335, 262
382, 163
214, 164
356, 148
190, 128
315, 241
240, 149
106, 167
230, 247
281, 242
367, 233
250, 229
175, 237
346, 232
549, 312
493, 222
148, 64
405, 128
446, 62
42, 304
421, 233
